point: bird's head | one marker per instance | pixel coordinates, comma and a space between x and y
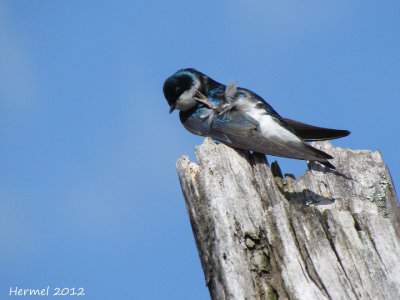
181, 88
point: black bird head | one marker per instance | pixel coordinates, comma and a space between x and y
180, 89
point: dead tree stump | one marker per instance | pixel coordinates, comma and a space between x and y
327, 235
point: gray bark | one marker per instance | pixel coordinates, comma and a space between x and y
327, 235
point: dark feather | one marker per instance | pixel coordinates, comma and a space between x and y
327, 164
313, 133
240, 130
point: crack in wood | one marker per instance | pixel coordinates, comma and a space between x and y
311, 272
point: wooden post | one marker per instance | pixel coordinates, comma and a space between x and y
327, 235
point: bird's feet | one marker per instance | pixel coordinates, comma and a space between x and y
203, 99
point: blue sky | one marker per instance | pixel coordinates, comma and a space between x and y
89, 193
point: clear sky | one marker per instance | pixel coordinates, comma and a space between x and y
89, 195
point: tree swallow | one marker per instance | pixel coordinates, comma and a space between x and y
240, 118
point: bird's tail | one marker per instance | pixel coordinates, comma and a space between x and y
313, 133
321, 156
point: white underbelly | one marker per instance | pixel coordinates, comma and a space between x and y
271, 129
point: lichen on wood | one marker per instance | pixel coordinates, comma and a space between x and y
330, 234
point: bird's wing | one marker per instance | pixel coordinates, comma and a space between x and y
241, 130
234, 121
314, 133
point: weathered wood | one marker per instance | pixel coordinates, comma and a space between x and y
327, 235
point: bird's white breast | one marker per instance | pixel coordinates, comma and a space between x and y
186, 100
185, 103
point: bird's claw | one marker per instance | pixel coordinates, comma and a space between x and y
203, 99
221, 109
225, 108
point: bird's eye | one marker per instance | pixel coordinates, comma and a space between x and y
178, 90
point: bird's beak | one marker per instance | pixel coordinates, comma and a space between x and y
172, 108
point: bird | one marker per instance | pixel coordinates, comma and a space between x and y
241, 119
